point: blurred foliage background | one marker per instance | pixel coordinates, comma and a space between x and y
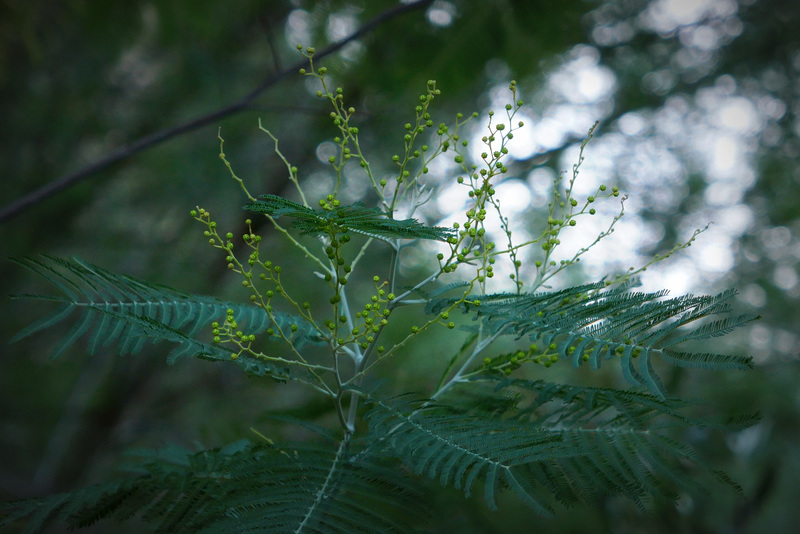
698, 102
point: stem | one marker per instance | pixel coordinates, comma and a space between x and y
479, 347
320, 496
393, 266
292, 173
361, 253
271, 219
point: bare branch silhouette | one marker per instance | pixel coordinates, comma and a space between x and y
31, 199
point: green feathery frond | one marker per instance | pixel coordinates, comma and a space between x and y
542, 402
113, 308
240, 488
356, 218
460, 449
588, 324
615, 413
158, 331
571, 405
589, 443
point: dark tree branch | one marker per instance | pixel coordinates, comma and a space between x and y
267, 23
126, 151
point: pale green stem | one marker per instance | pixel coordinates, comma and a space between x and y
320, 496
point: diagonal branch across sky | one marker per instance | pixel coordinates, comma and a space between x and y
46, 191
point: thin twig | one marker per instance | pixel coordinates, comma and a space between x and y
126, 151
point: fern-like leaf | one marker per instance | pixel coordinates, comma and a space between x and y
458, 450
540, 402
355, 217
121, 310
548, 443
588, 324
239, 488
